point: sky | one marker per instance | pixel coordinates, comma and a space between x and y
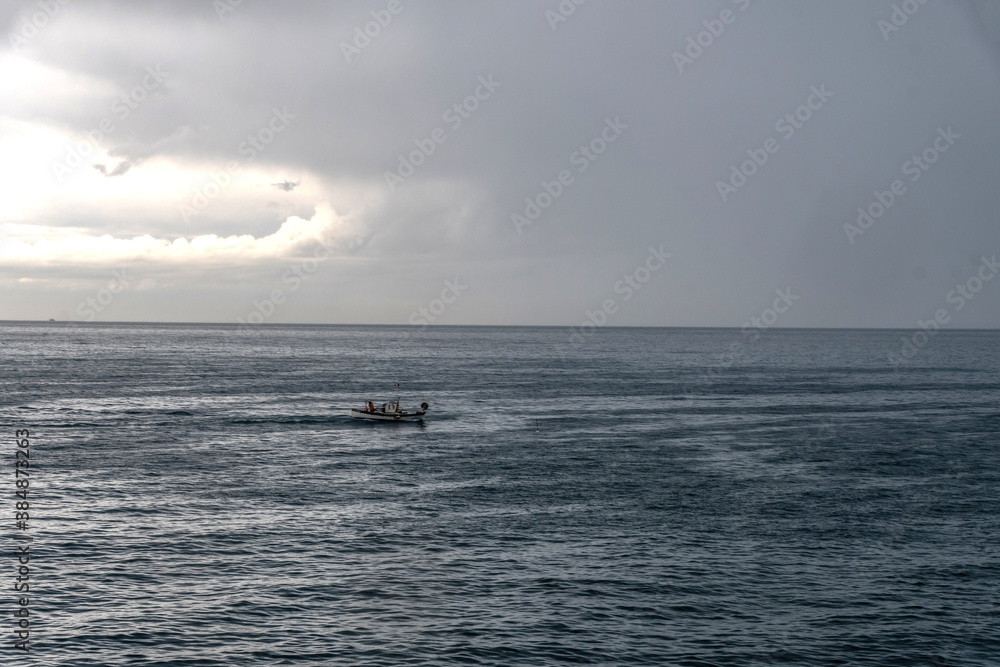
552, 162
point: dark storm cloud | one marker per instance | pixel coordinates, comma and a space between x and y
728, 156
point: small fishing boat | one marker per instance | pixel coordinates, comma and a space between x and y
389, 412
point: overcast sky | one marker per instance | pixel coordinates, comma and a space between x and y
200, 161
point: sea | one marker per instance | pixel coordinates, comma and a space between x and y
199, 495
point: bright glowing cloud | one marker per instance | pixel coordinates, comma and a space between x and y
291, 239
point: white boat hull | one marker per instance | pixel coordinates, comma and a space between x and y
388, 416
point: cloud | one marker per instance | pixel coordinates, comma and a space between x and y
293, 238
286, 185
83, 89
120, 169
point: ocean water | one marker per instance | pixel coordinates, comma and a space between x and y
652, 497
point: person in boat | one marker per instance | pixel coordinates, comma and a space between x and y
371, 407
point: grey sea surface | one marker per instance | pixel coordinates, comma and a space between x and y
200, 496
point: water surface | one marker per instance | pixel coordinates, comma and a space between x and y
201, 497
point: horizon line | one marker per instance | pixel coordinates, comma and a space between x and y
467, 326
